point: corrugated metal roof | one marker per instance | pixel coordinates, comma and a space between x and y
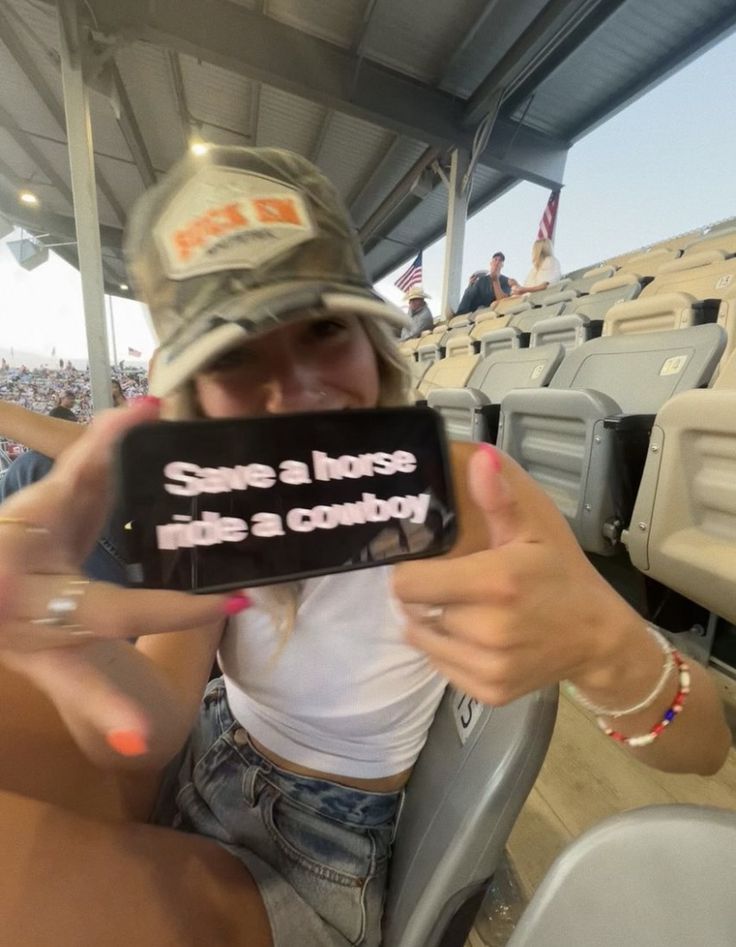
372, 90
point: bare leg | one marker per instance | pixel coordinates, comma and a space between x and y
39, 759
71, 881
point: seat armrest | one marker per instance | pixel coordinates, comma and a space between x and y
629, 422
461, 410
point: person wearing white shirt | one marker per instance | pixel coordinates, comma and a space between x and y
545, 271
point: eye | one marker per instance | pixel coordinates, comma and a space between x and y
234, 359
327, 328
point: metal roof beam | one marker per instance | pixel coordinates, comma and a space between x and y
131, 130
28, 66
536, 45
180, 95
258, 47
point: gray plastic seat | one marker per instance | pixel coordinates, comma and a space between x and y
568, 331
463, 798
655, 877
683, 526
525, 321
572, 436
465, 410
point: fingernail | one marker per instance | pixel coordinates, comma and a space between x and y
127, 742
237, 603
146, 399
492, 454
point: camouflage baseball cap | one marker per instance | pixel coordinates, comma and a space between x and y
237, 242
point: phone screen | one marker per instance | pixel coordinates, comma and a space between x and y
220, 504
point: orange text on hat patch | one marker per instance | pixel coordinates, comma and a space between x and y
229, 217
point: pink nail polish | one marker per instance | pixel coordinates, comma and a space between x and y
148, 400
127, 742
492, 454
237, 603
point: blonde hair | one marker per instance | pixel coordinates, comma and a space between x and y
394, 382
541, 249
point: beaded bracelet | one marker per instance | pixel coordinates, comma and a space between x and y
645, 739
667, 667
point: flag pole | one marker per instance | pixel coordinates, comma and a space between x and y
112, 331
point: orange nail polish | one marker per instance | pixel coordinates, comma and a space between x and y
127, 742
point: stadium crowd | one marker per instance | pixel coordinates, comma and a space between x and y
41, 389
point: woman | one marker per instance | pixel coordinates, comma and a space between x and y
282, 796
545, 269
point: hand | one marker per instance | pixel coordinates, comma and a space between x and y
525, 611
46, 531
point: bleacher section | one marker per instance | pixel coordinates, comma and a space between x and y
616, 390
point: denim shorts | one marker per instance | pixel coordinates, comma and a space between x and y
318, 851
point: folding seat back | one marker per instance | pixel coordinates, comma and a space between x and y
584, 437
568, 331
701, 287
541, 297
606, 293
723, 240
464, 795
497, 339
452, 371
654, 877
649, 262
471, 413
525, 321
510, 305
683, 526
581, 285
487, 320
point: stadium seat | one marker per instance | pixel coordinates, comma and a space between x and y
724, 240
606, 293
487, 320
700, 287
525, 321
649, 262
471, 413
581, 285
504, 338
683, 526
510, 305
661, 876
464, 795
569, 331
584, 437
452, 370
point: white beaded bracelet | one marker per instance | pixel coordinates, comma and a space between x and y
668, 665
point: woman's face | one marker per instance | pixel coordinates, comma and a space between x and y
321, 363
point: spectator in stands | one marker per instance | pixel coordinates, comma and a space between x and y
63, 409
421, 315
487, 288
545, 269
118, 395
294, 838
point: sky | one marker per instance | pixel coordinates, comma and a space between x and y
658, 168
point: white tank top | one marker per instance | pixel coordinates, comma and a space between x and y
346, 695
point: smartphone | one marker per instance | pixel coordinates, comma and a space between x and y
221, 504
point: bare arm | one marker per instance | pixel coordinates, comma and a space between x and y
523, 608
49, 436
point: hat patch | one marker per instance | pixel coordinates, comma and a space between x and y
226, 218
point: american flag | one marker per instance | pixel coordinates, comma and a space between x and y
412, 276
549, 218
133, 353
